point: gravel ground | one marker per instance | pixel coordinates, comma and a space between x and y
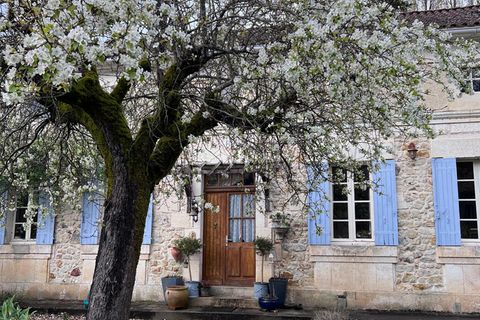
58, 316
61, 316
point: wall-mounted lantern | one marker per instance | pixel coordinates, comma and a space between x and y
266, 180
412, 151
192, 205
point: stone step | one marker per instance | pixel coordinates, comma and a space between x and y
216, 313
224, 302
228, 291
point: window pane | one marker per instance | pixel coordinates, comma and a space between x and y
475, 72
19, 232
362, 175
237, 179
340, 211
469, 229
234, 230
468, 210
363, 230
211, 179
339, 174
33, 231
362, 210
248, 206
466, 190
235, 206
464, 170
249, 179
339, 192
224, 179
248, 230
476, 85
340, 230
362, 192
20, 215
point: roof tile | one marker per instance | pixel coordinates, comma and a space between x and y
447, 18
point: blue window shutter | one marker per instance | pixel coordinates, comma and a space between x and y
46, 221
3, 220
319, 208
147, 233
445, 200
385, 205
90, 216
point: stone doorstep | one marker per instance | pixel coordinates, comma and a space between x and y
230, 291
224, 302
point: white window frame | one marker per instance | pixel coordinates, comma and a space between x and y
351, 214
476, 180
28, 230
469, 78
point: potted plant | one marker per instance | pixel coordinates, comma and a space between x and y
169, 281
280, 224
263, 246
189, 246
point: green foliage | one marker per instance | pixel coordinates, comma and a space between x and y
188, 245
263, 246
11, 311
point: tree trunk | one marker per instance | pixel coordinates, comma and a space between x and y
119, 248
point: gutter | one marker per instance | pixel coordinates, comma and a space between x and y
471, 32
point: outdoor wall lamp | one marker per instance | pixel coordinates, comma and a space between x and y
194, 210
412, 151
192, 205
266, 180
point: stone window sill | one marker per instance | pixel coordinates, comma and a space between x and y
25, 250
354, 254
89, 252
458, 255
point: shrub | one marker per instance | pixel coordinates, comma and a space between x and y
263, 246
188, 246
12, 311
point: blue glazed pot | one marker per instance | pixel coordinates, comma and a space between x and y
193, 288
260, 289
269, 304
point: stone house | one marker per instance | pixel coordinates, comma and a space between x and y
412, 244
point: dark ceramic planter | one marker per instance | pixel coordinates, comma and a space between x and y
278, 289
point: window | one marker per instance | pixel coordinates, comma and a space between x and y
23, 229
472, 79
230, 179
468, 197
241, 218
351, 205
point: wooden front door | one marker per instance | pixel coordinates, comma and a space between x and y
228, 235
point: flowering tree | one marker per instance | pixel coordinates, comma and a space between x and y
126, 90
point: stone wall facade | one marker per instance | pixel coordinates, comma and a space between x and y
416, 274
416, 269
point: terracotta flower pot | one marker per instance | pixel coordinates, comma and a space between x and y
176, 254
177, 297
